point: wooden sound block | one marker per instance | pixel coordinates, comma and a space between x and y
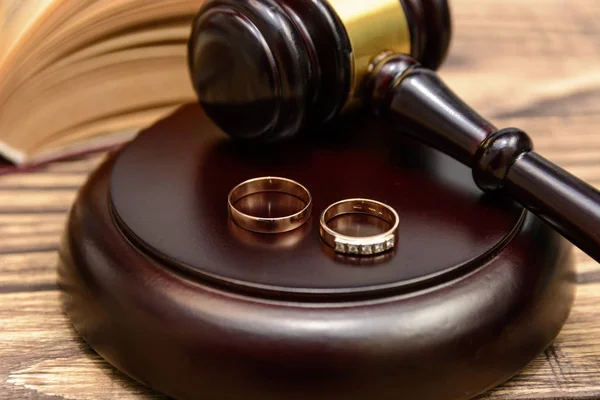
162, 285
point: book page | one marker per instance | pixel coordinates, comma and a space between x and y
16, 16
88, 72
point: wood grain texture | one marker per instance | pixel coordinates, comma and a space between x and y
534, 64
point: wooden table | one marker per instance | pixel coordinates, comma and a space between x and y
528, 63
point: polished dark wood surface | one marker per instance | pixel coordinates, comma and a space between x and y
430, 23
420, 104
269, 70
193, 335
183, 186
567, 203
263, 69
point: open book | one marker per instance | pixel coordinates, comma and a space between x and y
78, 75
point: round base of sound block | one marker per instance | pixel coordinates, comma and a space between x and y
162, 286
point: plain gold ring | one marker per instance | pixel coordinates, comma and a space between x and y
269, 225
366, 245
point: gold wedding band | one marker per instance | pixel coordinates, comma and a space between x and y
269, 225
366, 245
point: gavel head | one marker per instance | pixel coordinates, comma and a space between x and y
265, 69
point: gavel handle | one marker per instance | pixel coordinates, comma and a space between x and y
417, 101
569, 205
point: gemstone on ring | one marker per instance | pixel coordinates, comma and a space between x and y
389, 243
340, 247
366, 249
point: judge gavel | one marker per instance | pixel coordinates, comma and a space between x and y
267, 70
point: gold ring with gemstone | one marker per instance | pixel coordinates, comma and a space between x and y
269, 225
366, 245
